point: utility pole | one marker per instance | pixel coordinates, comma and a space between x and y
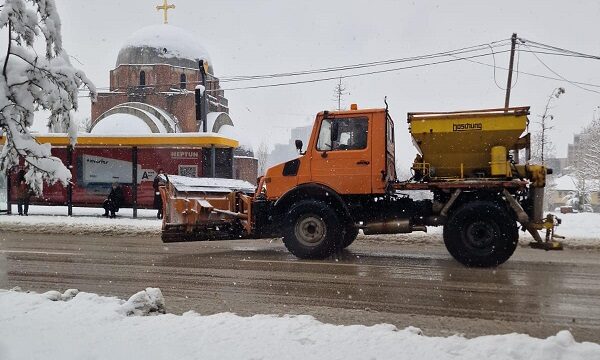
201, 98
513, 40
338, 93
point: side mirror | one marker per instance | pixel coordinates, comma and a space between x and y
299, 145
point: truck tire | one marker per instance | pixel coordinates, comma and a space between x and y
311, 230
349, 236
481, 234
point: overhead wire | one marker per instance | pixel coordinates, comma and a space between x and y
367, 64
463, 50
494, 58
547, 50
533, 74
359, 74
562, 77
557, 49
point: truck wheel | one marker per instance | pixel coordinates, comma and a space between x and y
311, 229
349, 236
481, 234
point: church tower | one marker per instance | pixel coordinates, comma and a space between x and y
152, 91
154, 79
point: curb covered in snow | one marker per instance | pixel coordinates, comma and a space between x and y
44, 224
85, 221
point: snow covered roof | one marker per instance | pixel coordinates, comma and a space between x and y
215, 120
155, 140
569, 183
210, 185
163, 44
118, 120
122, 124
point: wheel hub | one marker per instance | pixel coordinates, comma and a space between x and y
310, 230
480, 235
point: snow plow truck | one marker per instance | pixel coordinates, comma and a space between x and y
345, 181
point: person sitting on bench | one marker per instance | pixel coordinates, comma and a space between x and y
114, 201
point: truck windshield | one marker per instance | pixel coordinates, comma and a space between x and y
343, 134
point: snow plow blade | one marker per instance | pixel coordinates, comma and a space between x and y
203, 209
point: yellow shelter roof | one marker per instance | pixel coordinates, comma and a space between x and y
155, 140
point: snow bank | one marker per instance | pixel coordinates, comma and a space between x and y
90, 326
147, 302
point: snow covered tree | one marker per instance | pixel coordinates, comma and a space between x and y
585, 166
542, 145
30, 82
262, 154
590, 148
85, 125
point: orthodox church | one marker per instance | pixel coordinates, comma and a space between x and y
152, 91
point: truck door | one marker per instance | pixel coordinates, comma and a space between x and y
342, 157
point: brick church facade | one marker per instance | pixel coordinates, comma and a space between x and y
154, 78
167, 87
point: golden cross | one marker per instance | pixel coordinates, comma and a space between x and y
165, 7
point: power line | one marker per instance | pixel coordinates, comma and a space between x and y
463, 50
469, 59
494, 58
456, 58
547, 50
558, 49
560, 76
359, 74
473, 48
533, 74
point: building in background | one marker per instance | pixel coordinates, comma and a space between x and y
284, 152
558, 165
152, 91
566, 190
159, 66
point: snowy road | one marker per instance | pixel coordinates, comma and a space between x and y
536, 292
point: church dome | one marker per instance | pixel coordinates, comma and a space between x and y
163, 44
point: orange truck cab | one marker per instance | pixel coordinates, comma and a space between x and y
349, 152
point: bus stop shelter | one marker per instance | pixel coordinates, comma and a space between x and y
211, 153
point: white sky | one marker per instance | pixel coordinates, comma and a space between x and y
269, 36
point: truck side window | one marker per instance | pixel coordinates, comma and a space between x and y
390, 131
324, 142
343, 134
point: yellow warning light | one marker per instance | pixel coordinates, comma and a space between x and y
353, 107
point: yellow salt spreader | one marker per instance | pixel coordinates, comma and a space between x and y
485, 145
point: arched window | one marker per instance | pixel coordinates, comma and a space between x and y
142, 78
182, 81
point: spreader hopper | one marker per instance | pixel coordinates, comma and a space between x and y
468, 144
